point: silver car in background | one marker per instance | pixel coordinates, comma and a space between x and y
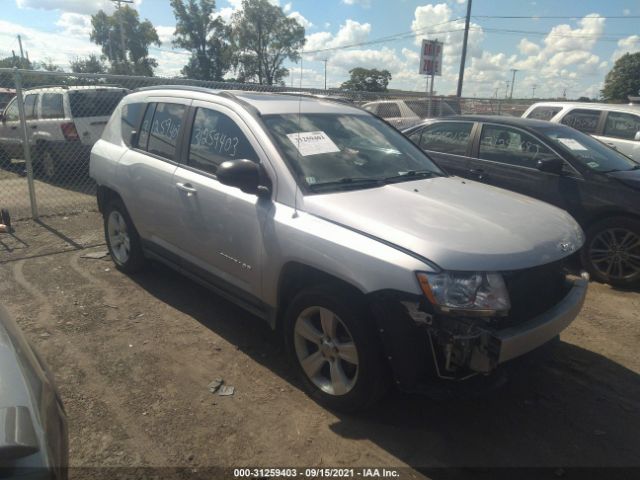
333, 227
33, 424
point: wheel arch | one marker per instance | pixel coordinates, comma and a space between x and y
104, 195
296, 276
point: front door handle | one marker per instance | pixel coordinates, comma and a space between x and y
34, 127
186, 187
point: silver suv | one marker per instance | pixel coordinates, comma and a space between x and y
333, 227
63, 123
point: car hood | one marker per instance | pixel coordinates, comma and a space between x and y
456, 224
629, 177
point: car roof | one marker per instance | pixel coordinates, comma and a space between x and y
592, 106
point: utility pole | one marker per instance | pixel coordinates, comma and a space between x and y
21, 51
122, 35
325, 72
513, 81
533, 91
506, 92
464, 49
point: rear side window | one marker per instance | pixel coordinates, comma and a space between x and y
584, 120
130, 120
52, 105
544, 113
166, 125
216, 138
94, 103
145, 130
388, 110
448, 137
622, 125
30, 106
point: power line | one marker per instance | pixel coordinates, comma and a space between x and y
533, 17
604, 38
392, 38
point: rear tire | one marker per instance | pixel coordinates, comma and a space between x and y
334, 349
611, 253
122, 238
48, 164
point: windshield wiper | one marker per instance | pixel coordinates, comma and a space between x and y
411, 175
348, 182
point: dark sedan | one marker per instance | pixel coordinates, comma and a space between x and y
599, 186
33, 424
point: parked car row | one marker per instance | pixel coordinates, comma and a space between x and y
63, 123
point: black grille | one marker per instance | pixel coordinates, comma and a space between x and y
534, 290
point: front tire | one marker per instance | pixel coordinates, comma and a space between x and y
612, 251
122, 238
334, 349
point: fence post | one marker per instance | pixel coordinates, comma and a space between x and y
25, 144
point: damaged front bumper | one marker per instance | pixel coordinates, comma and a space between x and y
425, 344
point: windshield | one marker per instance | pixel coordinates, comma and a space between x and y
587, 150
334, 151
94, 103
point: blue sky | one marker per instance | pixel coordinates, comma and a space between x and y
554, 54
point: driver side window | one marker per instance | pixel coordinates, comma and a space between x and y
512, 146
216, 138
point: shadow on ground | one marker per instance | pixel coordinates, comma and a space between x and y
577, 409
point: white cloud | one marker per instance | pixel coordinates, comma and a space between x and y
528, 48
350, 32
75, 24
85, 7
626, 12
364, 3
287, 8
165, 33
301, 19
629, 44
46, 45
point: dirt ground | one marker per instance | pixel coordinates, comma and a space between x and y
133, 357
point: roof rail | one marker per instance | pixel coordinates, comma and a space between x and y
67, 87
212, 91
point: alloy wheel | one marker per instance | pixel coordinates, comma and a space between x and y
615, 253
119, 239
326, 350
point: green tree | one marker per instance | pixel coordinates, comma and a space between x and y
623, 79
48, 66
263, 38
90, 64
206, 35
138, 36
12, 62
367, 80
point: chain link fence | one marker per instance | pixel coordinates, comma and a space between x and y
51, 120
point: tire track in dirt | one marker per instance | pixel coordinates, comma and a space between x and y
86, 362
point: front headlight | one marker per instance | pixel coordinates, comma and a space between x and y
474, 293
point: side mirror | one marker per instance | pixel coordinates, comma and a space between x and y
551, 165
637, 137
243, 174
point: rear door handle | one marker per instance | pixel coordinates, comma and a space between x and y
612, 145
33, 127
186, 187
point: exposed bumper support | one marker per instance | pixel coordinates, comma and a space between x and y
516, 341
